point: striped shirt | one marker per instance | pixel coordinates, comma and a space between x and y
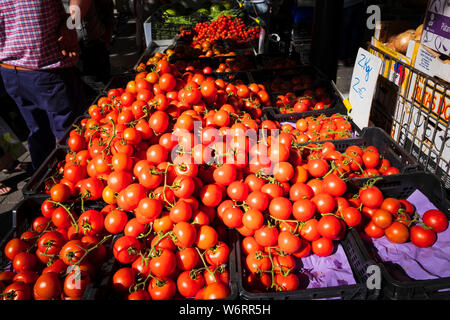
29, 33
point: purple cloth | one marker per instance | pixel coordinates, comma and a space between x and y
417, 263
323, 272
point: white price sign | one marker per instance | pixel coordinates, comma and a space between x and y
362, 88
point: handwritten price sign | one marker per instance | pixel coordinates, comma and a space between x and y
362, 88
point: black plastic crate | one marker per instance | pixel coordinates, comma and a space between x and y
387, 147
119, 81
269, 114
272, 61
62, 142
21, 218
152, 48
273, 113
232, 77
102, 289
214, 62
402, 186
316, 78
357, 291
36, 185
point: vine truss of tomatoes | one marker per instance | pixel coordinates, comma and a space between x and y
309, 100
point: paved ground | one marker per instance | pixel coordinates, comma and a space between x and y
123, 57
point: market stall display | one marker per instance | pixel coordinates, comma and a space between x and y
211, 173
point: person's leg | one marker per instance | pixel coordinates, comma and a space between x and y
21, 88
61, 97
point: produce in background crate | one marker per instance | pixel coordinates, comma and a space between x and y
218, 64
296, 83
321, 127
223, 28
399, 42
310, 100
279, 62
203, 49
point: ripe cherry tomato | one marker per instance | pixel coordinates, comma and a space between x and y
435, 219
422, 237
162, 289
322, 247
218, 254
397, 232
382, 218
48, 286
126, 249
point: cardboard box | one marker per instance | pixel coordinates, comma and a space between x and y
430, 63
436, 28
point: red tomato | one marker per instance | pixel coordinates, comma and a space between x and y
329, 227
189, 283
162, 289
435, 219
422, 237
397, 232
163, 263
126, 249
322, 247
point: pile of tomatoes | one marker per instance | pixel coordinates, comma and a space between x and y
223, 28
134, 153
316, 99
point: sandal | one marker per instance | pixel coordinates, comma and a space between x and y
4, 190
19, 166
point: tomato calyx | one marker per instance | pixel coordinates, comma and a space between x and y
148, 233
370, 183
260, 174
243, 205
69, 212
10, 295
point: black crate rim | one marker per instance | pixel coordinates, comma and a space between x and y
418, 289
42, 173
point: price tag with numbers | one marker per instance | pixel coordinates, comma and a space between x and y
362, 87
